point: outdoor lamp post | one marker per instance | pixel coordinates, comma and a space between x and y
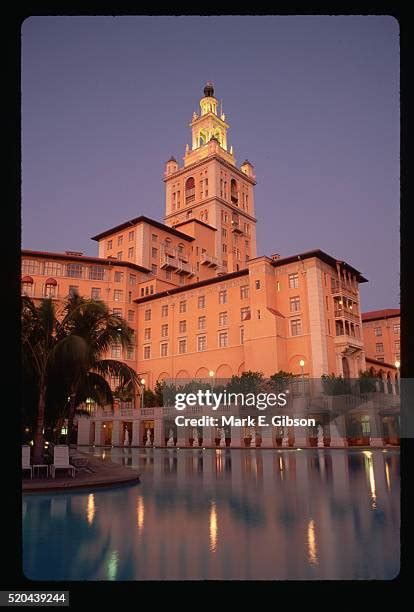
397, 365
211, 374
302, 365
142, 381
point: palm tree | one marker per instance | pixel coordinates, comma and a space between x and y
43, 346
91, 321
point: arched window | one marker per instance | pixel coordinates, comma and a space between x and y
202, 139
189, 190
50, 287
234, 192
27, 285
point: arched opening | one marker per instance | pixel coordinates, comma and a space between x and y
189, 190
380, 381
27, 285
234, 192
389, 383
50, 287
345, 368
202, 138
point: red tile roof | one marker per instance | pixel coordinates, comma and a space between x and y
375, 315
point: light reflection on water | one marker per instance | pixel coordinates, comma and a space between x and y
223, 514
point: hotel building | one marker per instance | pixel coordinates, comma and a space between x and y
199, 298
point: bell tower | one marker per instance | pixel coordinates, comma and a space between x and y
211, 188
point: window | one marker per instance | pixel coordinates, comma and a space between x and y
396, 328
293, 281
168, 274
131, 235
202, 343
182, 327
164, 349
164, 330
109, 245
117, 312
224, 233
50, 290
164, 310
189, 190
296, 327
73, 290
116, 351
52, 268
201, 301
242, 335
223, 319
147, 333
118, 277
119, 255
244, 292
245, 313
30, 266
132, 279
27, 288
130, 352
397, 345
223, 296
130, 252
154, 252
294, 303
96, 272
257, 284
96, 293
129, 297
147, 352
120, 240
380, 359
154, 269
117, 295
182, 346
223, 339
224, 248
377, 331
74, 270
183, 306
154, 237
147, 315
131, 315
201, 323
379, 347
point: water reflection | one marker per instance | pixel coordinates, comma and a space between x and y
213, 527
312, 550
229, 514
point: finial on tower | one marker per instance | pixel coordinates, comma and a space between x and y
209, 90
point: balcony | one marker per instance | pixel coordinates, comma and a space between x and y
209, 260
169, 263
185, 268
339, 287
347, 314
236, 228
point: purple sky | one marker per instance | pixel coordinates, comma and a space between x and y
312, 102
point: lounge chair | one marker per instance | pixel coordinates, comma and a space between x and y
26, 459
61, 460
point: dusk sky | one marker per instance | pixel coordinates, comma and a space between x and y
312, 102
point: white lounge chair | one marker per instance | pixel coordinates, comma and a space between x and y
26, 459
61, 460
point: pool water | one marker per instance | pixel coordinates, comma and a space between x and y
223, 515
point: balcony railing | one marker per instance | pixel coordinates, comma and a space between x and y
169, 263
185, 268
209, 260
340, 286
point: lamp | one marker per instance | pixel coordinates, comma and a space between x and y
302, 365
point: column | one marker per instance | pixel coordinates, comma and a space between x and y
267, 439
159, 434
135, 433
84, 429
236, 437
116, 433
208, 437
182, 438
98, 433
338, 433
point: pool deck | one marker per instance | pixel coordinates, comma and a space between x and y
105, 473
